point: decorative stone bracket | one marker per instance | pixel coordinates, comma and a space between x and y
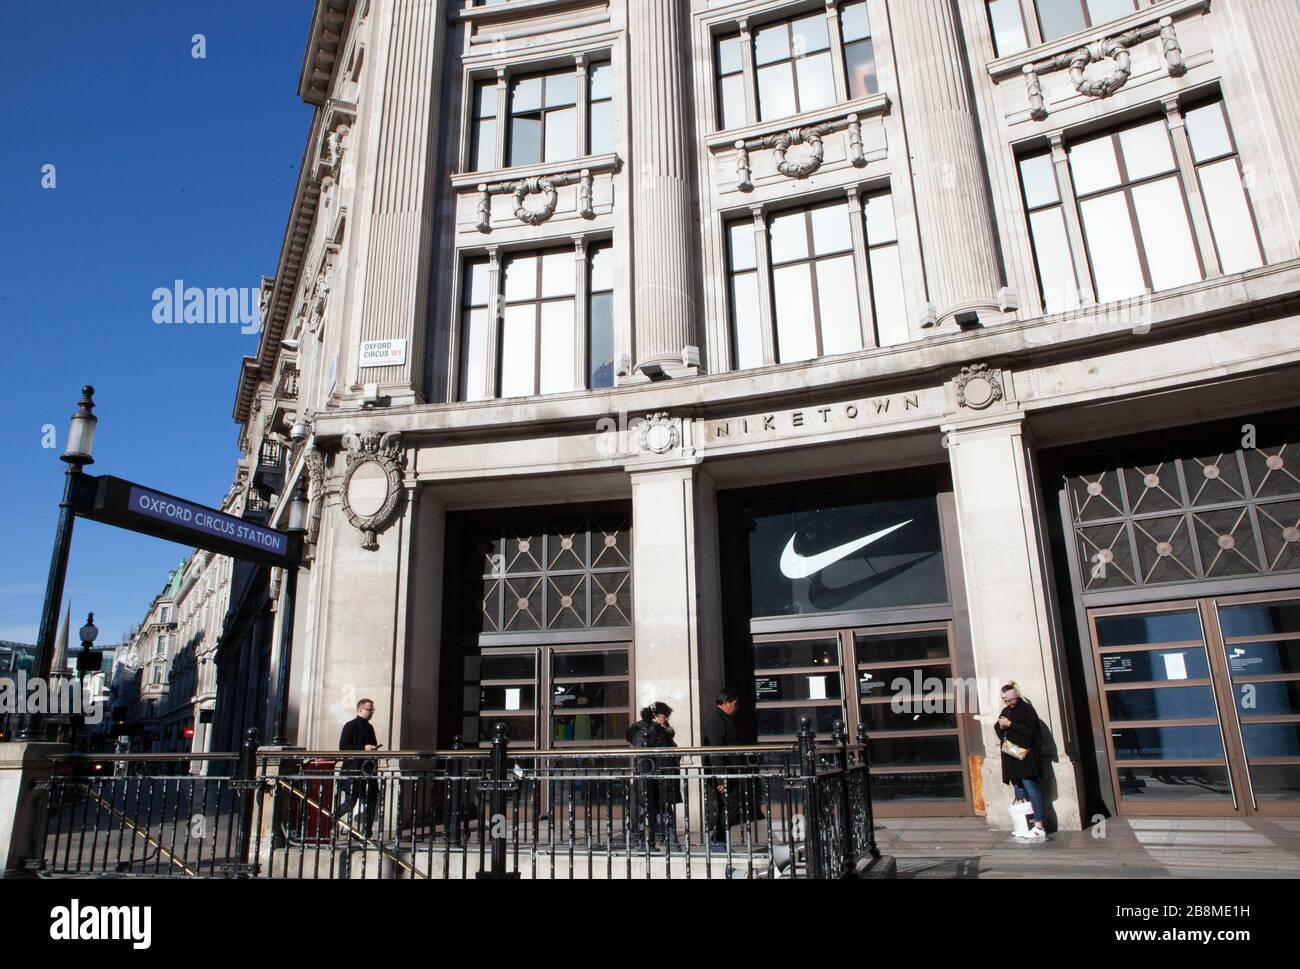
811, 136
1114, 49
978, 386
544, 185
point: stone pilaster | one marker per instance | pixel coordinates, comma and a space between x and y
663, 231
958, 241
1005, 568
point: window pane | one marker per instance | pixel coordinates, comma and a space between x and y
1230, 218
525, 141
816, 82
792, 289
485, 145
521, 278
1093, 165
853, 21
602, 128
729, 55
747, 321
733, 101
1168, 743
476, 284
860, 60
518, 351
526, 95
561, 134
1112, 247
1060, 17
879, 213
601, 79
887, 297
1008, 27
830, 229
602, 268
561, 89
600, 345
1166, 234
810, 35
740, 246
1100, 11
789, 234
837, 297
557, 347
474, 374
775, 92
558, 274
771, 44
1055, 264
1039, 178
1208, 131
1146, 150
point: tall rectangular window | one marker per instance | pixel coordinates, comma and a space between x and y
1008, 25
535, 336
793, 60
1134, 213
1218, 168
746, 315
600, 317
859, 50
1047, 230
817, 313
731, 82
600, 111
543, 118
483, 149
1060, 17
886, 269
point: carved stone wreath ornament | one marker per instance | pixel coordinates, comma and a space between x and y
812, 137
372, 484
1107, 84
978, 387
535, 186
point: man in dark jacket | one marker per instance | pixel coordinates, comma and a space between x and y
722, 805
358, 734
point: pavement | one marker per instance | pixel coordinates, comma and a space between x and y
961, 848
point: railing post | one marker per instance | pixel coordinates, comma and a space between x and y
866, 790
812, 798
840, 737
454, 812
497, 805
245, 784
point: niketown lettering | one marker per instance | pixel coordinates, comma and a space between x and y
796, 566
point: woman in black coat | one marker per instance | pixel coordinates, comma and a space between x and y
1018, 726
656, 800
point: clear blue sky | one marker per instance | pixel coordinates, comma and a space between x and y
167, 167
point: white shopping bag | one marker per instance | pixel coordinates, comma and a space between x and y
1020, 811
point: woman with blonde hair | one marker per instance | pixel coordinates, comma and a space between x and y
1018, 731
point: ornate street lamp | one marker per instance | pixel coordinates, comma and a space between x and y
77, 454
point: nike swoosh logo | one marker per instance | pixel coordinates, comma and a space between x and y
796, 566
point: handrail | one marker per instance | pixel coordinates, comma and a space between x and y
125, 758
562, 753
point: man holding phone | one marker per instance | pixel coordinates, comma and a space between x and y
362, 788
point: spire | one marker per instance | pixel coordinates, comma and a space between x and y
59, 664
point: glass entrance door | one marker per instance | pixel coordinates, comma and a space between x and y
1201, 705
899, 682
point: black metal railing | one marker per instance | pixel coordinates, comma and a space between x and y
749, 811
287, 389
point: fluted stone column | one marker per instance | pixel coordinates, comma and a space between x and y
662, 220
956, 223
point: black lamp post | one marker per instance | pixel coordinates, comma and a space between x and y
296, 526
85, 661
77, 454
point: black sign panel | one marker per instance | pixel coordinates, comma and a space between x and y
836, 553
135, 507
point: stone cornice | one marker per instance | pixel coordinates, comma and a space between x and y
1231, 300
324, 41
1015, 64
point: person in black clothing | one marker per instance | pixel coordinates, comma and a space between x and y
656, 800
1018, 723
722, 805
362, 788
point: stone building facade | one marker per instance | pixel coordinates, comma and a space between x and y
633, 347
